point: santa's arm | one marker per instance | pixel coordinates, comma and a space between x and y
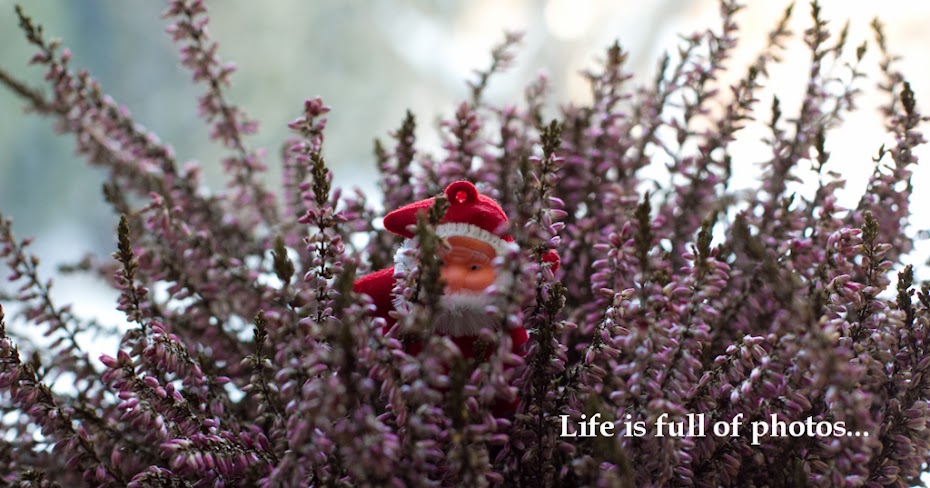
518, 335
378, 286
552, 258
518, 339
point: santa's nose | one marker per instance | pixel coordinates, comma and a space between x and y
454, 277
472, 277
466, 265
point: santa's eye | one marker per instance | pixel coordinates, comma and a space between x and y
475, 267
442, 263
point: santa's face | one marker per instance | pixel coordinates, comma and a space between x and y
467, 270
467, 266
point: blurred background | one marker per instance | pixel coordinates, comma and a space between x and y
370, 61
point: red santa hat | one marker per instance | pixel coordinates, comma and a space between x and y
470, 214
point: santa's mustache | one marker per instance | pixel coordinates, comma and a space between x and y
462, 314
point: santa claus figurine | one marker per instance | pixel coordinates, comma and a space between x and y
474, 228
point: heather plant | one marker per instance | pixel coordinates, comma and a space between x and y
246, 358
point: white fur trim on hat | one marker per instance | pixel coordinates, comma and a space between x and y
501, 247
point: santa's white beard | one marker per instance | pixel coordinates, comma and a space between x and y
462, 314
458, 314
